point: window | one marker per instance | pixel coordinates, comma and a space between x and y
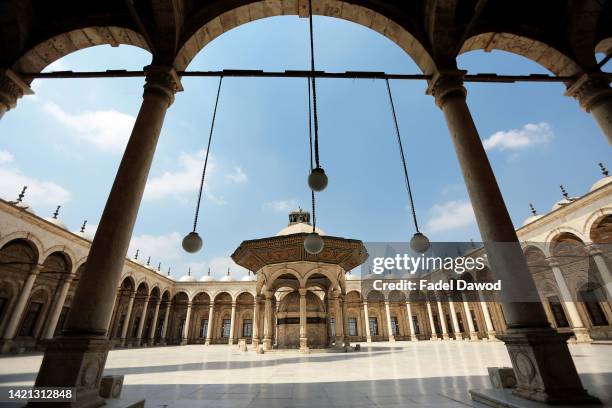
247, 328
27, 327
474, 321
62, 320
352, 326
394, 326
460, 322
591, 303
332, 327
203, 328
557, 311
373, 326
225, 329
415, 322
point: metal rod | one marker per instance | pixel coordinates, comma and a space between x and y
484, 77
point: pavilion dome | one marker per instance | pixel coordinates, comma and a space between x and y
601, 182
563, 203
531, 219
85, 234
227, 277
207, 278
56, 221
299, 223
188, 277
22, 205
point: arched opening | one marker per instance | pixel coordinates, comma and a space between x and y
222, 321
243, 325
288, 321
200, 312
178, 318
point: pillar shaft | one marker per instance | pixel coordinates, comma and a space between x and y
22, 302
453, 313
367, 322
413, 336
84, 340
256, 322
345, 330
164, 332
582, 335
442, 321
303, 320
604, 271
185, 338
470, 322
434, 336
594, 94
58, 305
338, 320
542, 363
267, 343
389, 324
126, 321
232, 324
143, 317
209, 329
151, 339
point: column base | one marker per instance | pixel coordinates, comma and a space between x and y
255, 343
150, 342
582, 335
207, 342
183, 342
230, 341
491, 336
544, 369
445, 336
413, 337
267, 344
6, 346
163, 342
74, 361
304, 344
368, 339
434, 337
458, 337
391, 339
473, 336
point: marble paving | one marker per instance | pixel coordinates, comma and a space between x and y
386, 375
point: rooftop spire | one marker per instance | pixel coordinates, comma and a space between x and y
209, 271
533, 210
189, 271
563, 191
604, 171
56, 213
22, 194
136, 254
159, 267
83, 226
148, 261
168, 271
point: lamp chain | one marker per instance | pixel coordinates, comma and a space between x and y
314, 216
314, 87
212, 126
401, 149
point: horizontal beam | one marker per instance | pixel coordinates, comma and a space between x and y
300, 74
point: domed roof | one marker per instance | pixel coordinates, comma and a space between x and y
207, 277
83, 233
56, 221
601, 182
299, 223
22, 205
531, 219
227, 277
249, 277
188, 277
563, 203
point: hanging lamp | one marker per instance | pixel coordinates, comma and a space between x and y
193, 242
419, 242
313, 243
317, 180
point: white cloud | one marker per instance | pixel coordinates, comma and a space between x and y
238, 176
106, 129
282, 205
6, 157
161, 248
39, 192
518, 139
218, 268
450, 215
185, 180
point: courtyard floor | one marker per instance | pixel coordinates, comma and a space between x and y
403, 374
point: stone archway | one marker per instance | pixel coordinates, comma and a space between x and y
289, 321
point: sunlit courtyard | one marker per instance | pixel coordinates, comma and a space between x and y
406, 374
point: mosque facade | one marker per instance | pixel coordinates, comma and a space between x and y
296, 300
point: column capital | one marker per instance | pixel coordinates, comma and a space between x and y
590, 89
12, 87
445, 83
593, 249
35, 270
189, 304
553, 263
234, 303
268, 295
303, 291
162, 80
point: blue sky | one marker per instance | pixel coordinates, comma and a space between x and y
66, 142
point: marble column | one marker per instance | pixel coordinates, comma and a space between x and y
141, 323
345, 330
458, 334
209, 329
581, 333
185, 338
303, 321
151, 339
413, 336
367, 322
57, 307
389, 324
83, 341
232, 324
267, 341
12, 88
126, 321
604, 272
487, 318
164, 333
442, 321
434, 336
255, 340
18, 310
593, 92
540, 357
337, 320
470, 322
